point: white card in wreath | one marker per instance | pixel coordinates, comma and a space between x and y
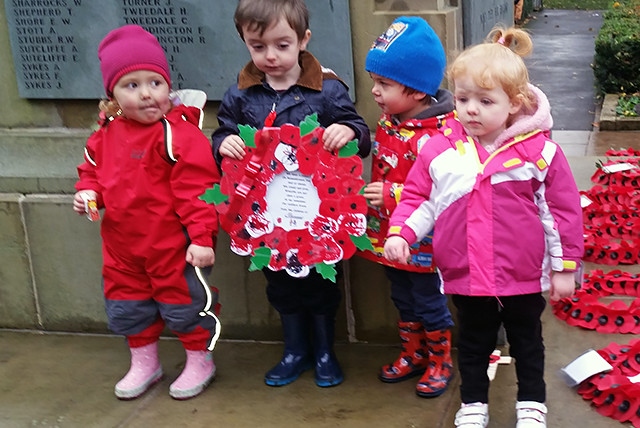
292, 200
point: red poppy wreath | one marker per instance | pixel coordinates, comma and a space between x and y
289, 203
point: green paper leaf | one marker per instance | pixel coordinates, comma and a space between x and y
260, 259
350, 149
362, 242
327, 271
361, 192
309, 124
248, 135
214, 195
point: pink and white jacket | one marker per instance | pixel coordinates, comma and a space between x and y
504, 219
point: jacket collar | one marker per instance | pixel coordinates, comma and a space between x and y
311, 76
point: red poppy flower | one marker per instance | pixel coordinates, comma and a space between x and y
307, 162
278, 260
354, 223
320, 249
353, 204
322, 226
312, 143
290, 135
330, 208
276, 240
351, 185
328, 159
322, 174
241, 243
343, 239
349, 167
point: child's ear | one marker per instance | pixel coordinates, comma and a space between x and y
305, 40
419, 96
516, 104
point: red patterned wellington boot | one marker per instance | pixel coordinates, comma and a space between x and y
435, 380
412, 360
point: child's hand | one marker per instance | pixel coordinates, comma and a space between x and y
78, 200
337, 136
396, 249
232, 147
199, 256
373, 193
562, 285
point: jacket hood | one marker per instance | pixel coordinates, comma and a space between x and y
191, 114
444, 104
529, 121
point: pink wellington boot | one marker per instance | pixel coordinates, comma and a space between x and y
145, 371
197, 374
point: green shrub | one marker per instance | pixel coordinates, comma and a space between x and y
628, 105
577, 4
617, 49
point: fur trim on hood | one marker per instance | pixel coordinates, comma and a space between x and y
529, 121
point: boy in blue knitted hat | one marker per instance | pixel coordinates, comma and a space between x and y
407, 64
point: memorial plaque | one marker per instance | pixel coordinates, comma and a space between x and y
55, 42
480, 16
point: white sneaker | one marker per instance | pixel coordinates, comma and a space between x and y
531, 414
473, 415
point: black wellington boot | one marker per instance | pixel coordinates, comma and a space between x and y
328, 371
297, 351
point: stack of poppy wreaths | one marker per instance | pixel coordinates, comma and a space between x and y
611, 211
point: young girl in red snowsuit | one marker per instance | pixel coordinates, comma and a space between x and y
146, 166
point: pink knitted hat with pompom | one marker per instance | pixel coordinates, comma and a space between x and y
130, 48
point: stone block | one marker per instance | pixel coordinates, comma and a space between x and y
41, 160
17, 297
66, 259
480, 16
610, 121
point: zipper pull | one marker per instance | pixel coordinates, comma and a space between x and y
271, 117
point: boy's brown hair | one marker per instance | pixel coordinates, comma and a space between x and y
410, 91
261, 14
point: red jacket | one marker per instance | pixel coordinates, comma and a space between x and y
394, 152
148, 179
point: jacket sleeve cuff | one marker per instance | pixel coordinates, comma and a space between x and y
202, 238
404, 232
564, 265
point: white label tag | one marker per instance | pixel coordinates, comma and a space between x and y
583, 367
617, 167
585, 201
